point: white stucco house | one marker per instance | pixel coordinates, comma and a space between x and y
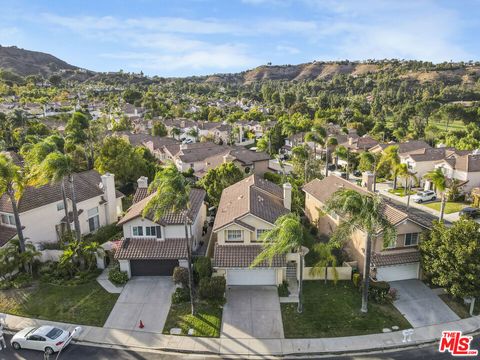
150, 248
42, 212
465, 169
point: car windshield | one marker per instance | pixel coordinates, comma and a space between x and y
420, 193
54, 333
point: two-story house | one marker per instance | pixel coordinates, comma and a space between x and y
399, 260
42, 212
246, 210
464, 168
150, 248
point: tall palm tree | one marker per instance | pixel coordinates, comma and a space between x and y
285, 236
326, 259
360, 212
342, 152
391, 160
172, 195
12, 185
55, 168
408, 175
331, 141
439, 181
175, 132
317, 135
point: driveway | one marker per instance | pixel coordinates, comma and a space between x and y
146, 298
420, 305
252, 312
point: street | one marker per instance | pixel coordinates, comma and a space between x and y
80, 352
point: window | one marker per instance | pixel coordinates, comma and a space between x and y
411, 239
153, 231
8, 219
234, 235
60, 206
93, 219
260, 233
137, 231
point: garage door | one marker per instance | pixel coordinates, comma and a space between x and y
251, 277
152, 267
398, 272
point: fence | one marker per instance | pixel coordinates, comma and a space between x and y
343, 273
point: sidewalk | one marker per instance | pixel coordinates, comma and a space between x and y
252, 347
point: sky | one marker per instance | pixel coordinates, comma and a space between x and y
199, 37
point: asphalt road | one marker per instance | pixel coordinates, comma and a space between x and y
81, 352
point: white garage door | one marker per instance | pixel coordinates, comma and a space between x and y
251, 277
398, 272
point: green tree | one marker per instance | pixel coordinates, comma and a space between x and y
286, 236
172, 195
409, 176
317, 135
326, 258
175, 132
362, 212
439, 181
451, 257
219, 178
389, 162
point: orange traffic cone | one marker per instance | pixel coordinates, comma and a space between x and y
141, 326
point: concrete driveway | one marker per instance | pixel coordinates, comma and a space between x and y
146, 298
420, 305
252, 312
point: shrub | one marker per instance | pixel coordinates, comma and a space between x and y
379, 291
105, 233
117, 277
203, 267
19, 281
283, 289
180, 295
273, 177
212, 289
356, 278
180, 276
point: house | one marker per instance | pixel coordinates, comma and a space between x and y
399, 260
464, 168
247, 209
42, 213
405, 148
422, 161
292, 141
358, 143
252, 162
153, 143
150, 248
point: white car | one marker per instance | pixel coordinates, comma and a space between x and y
422, 196
45, 338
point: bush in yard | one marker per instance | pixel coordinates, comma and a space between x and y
202, 267
180, 276
212, 289
356, 279
283, 289
379, 291
180, 295
117, 277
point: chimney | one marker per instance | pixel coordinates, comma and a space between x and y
108, 182
350, 141
142, 182
287, 196
367, 180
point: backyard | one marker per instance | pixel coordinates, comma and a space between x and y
85, 304
334, 310
450, 206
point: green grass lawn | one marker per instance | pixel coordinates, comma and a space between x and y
453, 125
459, 307
334, 310
86, 304
450, 206
400, 191
206, 322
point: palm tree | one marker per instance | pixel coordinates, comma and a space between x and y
360, 212
404, 172
12, 185
326, 259
331, 141
172, 195
56, 168
391, 160
175, 132
343, 153
369, 162
439, 181
286, 236
317, 135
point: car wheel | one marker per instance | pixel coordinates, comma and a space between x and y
434, 198
48, 350
420, 201
16, 346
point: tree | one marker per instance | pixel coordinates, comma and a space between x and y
331, 142
286, 236
368, 162
172, 195
219, 178
325, 259
439, 181
175, 132
342, 152
362, 212
55, 80
451, 257
317, 135
389, 161
12, 185
408, 175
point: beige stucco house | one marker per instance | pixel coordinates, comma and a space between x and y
399, 260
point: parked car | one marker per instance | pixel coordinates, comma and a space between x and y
48, 339
470, 212
332, 167
422, 196
344, 175
357, 173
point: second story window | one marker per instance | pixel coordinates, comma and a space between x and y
137, 231
234, 235
93, 219
411, 239
260, 232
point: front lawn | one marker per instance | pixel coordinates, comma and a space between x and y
206, 322
450, 206
85, 304
459, 307
400, 191
334, 310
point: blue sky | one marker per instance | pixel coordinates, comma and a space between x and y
195, 37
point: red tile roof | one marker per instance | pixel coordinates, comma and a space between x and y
243, 256
151, 249
397, 258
